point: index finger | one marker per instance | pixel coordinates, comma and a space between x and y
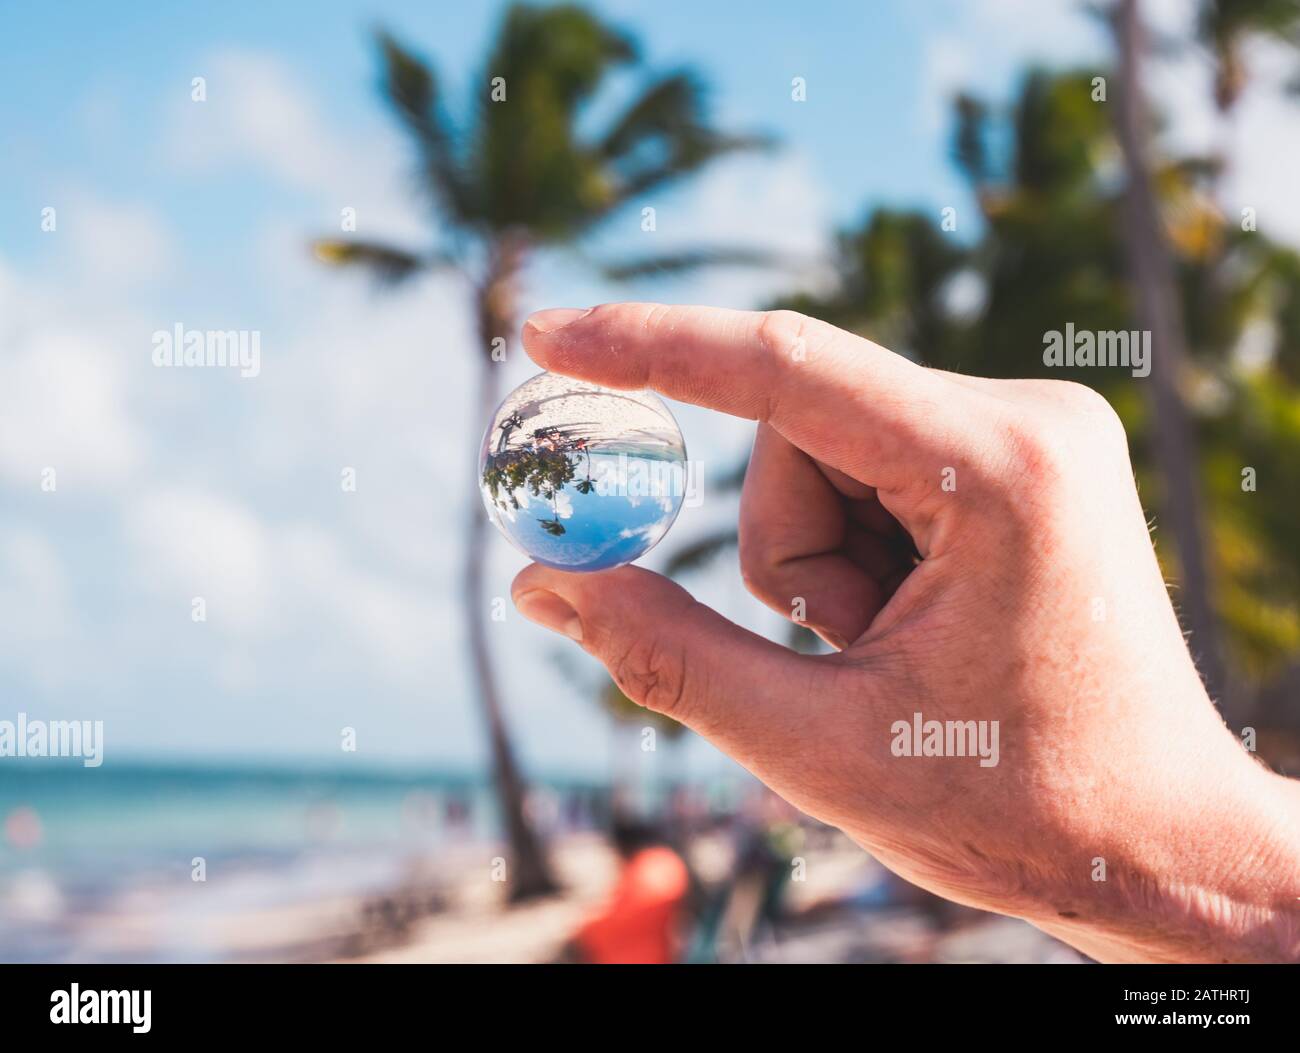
846, 401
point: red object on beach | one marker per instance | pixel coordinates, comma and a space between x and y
639, 925
23, 828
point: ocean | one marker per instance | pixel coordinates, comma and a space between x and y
79, 846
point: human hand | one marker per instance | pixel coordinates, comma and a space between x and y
1037, 610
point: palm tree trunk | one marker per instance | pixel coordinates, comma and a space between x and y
1160, 311
528, 871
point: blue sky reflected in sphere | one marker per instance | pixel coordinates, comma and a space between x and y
581, 477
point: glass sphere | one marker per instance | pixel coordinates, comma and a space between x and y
581, 477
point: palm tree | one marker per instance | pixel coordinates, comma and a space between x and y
1053, 247
513, 177
1160, 310
1224, 26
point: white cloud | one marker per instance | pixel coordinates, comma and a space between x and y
193, 543
259, 117
397, 622
255, 112
949, 61
1046, 30
1263, 146
774, 204
62, 406
264, 582
978, 47
115, 243
1260, 139
36, 617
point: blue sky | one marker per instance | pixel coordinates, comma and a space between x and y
329, 609
88, 89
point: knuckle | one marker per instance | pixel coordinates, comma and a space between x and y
781, 332
1090, 405
788, 339
1076, 433
1037, 450
1074, 393
653, 674
762, 578
1103, 422
791, 337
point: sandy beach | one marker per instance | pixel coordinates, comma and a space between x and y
171, 866
451, 911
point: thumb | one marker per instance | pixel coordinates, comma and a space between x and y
678, 657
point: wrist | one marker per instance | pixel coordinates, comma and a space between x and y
1215, 880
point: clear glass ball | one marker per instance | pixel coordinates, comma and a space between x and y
581, 477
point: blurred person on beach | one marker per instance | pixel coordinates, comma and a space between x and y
641, 921
974, 553
748, 905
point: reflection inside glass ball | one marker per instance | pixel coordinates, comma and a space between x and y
581, 477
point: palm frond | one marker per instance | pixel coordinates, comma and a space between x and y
686, 154
664, 134
734, 478
411, 88
668, 105
566, 47
531, 170
1224, 22
700, 552
388, 265
970, 144
623, 709
685, 262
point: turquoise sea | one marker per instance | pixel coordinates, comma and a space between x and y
77, 844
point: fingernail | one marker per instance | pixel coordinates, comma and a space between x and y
550, 612
555, 318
